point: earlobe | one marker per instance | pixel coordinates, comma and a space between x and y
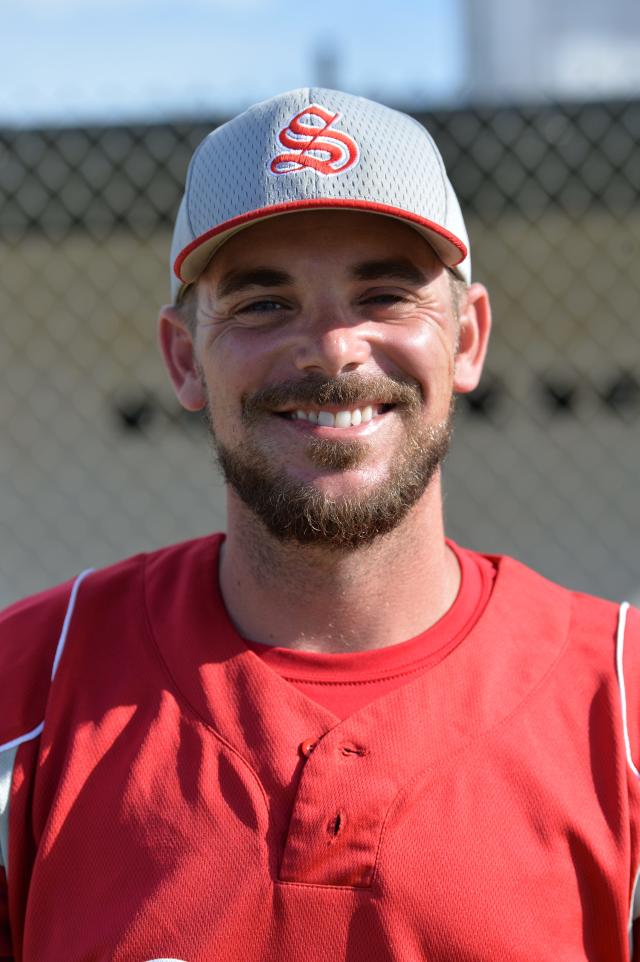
178, 350
473, 340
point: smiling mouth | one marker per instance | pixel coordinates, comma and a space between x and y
346, 418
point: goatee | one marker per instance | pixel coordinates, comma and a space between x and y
296, 511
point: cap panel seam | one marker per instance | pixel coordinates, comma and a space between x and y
187, 186
313, 95
440, 162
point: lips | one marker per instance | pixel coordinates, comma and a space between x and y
346, 401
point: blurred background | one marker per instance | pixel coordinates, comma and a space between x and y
536, 108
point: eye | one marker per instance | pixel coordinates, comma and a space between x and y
263, 306
385, 298
386, 303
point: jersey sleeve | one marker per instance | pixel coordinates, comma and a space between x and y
30, 633
628, 670
29, 636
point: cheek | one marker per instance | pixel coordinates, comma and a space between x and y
240, 355
426, 354
231, 371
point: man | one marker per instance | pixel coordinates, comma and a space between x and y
333, 734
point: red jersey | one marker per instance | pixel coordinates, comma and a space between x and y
160, 805
348, 681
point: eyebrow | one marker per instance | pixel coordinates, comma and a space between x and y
236, 281
399, 268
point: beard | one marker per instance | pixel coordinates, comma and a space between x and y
296, 511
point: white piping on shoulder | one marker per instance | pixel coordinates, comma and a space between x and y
28, 736
67, 620
622, 622
9, 749
634, 907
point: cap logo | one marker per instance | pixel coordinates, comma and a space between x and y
313, 141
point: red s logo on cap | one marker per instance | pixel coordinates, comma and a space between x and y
314, 142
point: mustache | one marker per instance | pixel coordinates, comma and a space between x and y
347, 389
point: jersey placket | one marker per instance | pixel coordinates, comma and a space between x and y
344, 792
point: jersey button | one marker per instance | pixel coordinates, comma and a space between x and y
307, 746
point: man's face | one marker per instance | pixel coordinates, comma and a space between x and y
326, 342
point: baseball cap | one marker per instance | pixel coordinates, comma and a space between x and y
310, 149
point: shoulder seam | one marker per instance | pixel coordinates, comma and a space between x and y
622, 621
27, 737
67, 620
35, 732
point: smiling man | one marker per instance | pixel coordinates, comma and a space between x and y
332, 734
326, 346
324, 328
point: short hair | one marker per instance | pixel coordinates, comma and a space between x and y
458, 287
187, 306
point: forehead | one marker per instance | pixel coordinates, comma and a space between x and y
321, 238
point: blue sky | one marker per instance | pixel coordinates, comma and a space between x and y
66, 61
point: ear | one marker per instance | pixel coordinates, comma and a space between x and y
473, 338
178, 351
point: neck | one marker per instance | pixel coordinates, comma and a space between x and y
313, 599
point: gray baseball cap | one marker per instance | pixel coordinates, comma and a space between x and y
315, 149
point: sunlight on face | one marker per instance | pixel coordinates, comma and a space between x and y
326, 313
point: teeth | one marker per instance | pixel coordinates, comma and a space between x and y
343, 419
326, 419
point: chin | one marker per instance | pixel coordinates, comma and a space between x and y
340, 485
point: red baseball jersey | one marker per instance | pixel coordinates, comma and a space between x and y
156, 803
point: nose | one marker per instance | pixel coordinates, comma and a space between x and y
332, 347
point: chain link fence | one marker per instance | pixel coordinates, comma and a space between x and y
97, 461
